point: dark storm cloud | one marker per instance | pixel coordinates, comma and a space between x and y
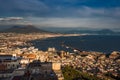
22, 7
59, 8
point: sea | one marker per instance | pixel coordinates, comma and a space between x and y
99, 43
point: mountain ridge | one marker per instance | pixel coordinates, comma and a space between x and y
24, 29
99, 32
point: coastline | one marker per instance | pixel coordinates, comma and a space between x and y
82, 40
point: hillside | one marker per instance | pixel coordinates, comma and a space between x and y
98, 32
25, 29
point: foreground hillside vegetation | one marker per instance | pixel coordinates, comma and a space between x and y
73, 74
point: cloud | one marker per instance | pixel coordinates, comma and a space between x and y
41, 22
88, 11
13, 21
76, 22
22, 7
32, 5
11, 18
62, 13
58, 8
85, 11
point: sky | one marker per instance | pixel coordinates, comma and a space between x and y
61, 13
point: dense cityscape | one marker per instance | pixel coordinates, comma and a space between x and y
59, 39
19, 58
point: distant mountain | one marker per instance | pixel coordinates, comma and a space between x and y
25, 29
99, 32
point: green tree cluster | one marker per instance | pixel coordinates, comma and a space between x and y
73, 74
